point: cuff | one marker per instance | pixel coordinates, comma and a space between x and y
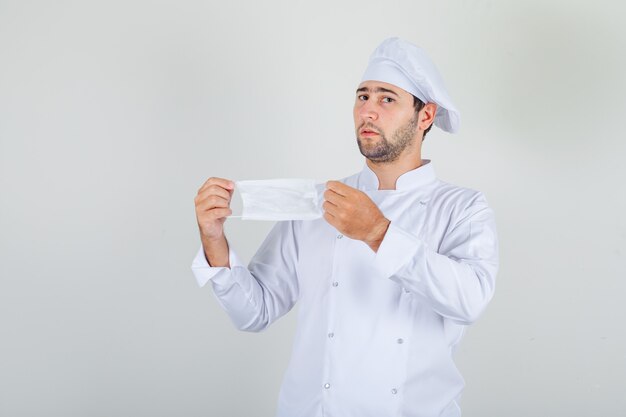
205, 272
396, 250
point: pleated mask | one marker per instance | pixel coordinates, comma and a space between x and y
279, 199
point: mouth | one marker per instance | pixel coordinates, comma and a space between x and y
366, 132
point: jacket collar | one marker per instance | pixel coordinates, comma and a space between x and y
416, 178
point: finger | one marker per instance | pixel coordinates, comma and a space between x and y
329, 218
222, 182
220, 213
213, 201
333, 198
339, 187
215, 190
330, 208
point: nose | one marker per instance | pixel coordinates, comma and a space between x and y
367, 111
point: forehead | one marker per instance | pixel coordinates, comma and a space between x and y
380, 86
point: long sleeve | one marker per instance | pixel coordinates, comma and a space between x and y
458, 278
256, 296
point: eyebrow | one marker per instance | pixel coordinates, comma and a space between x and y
377, 90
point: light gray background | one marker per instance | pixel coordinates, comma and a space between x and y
113, 113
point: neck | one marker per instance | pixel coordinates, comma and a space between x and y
388, 173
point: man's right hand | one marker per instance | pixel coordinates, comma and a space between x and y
212, 208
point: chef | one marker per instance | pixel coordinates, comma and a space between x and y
387, 279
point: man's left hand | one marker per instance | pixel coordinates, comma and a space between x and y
354, 214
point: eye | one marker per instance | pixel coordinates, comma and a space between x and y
388, 98
359, 97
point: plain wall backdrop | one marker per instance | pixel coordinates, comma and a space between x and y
113, 114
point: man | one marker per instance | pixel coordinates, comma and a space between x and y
390, 276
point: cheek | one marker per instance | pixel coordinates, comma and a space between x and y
357, 120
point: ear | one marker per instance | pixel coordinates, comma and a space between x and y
427, 116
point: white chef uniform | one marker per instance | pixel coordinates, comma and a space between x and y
376, 331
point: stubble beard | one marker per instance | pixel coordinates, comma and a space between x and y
384, 151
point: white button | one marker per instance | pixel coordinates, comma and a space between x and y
331, 335
400, 341
339, 236
335, 284
394, 391
327, 385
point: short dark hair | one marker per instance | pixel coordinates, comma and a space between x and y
419, 105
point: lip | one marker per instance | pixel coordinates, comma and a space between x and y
368, 133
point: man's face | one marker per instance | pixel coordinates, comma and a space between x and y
385, 120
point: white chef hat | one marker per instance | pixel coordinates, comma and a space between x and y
407, 66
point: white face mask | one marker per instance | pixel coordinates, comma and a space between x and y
280, 199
